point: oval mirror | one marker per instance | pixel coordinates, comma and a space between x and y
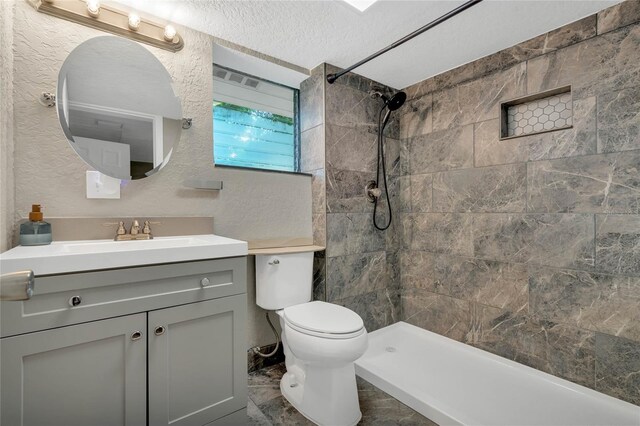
117, 107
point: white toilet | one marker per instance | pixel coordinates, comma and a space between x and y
321, 341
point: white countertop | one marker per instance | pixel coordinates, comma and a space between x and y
62, 257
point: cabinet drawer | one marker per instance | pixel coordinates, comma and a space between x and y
117, 292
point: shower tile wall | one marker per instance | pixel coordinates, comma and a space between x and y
312, 160
360, 260
359, 268
530, 247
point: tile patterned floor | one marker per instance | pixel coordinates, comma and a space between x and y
267, 407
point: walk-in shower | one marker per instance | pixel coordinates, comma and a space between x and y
373, 187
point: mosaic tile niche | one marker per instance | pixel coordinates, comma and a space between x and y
541, 114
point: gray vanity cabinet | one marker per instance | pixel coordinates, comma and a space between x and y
193, 374
74, 375
153, 345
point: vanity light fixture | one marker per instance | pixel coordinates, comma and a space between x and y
169, 32
134, 21
129, 24
93, 8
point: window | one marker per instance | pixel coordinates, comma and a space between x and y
254, 122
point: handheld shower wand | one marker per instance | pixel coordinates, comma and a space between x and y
373, 190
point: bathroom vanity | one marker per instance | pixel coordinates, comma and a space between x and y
149, 338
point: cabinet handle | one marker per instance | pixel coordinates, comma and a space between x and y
205, 282
136, 335
75, 301
159, 330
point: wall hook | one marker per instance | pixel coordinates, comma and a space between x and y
47, 99
186, 123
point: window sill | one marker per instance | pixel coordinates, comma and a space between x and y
252, 169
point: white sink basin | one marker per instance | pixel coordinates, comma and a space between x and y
73, 256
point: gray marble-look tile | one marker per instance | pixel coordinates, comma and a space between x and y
319, 226
579, 140
318, 191
377, 309
442, 233
421, 193
356, 274
394, 163
420, 88
279, 412
618, 244
593, 67
350, 233
443, 150
487, 189
256, 417
400, 193
346, 191
349, 107
561, 350
618, 367
417, 270
563, 240
312, 99
593, 301
416, 117
440, 314
380, 409
351, 148
498, 284
394, 271
619, 120
404, 146
264, 384
553, 40
319, 276
547, 239
620, 15
312, 149
357, 81
606, 183
477, 100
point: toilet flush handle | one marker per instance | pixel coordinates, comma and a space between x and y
274, 262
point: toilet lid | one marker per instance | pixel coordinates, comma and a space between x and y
323, 317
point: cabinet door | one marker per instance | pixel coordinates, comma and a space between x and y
197, 362
88, 374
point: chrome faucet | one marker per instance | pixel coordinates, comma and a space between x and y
134, 233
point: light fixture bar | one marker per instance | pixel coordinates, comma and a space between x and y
111, 20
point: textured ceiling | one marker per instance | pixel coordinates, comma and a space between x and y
307, 33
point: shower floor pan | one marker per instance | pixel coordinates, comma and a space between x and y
455, 384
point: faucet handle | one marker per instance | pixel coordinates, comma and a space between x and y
135, 228
147, 228
121, 230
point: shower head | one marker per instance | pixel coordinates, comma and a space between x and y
396, 101
393, 103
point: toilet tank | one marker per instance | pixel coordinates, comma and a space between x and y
283, 280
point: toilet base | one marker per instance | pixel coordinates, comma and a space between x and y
328, 413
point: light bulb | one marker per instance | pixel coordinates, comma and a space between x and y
93, 8
169, 32
134, 21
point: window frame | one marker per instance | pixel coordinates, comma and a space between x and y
296, 128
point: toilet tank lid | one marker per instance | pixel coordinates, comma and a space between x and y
323, 317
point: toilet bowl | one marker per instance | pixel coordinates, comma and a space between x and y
320, 340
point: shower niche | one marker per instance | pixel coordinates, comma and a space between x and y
539, 113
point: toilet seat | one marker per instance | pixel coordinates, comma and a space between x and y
324, 320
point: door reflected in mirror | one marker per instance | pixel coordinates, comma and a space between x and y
117, 108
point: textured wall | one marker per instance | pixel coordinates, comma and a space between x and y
6, 124
530, 247
253, 205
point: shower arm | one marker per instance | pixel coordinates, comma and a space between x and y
331, 78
